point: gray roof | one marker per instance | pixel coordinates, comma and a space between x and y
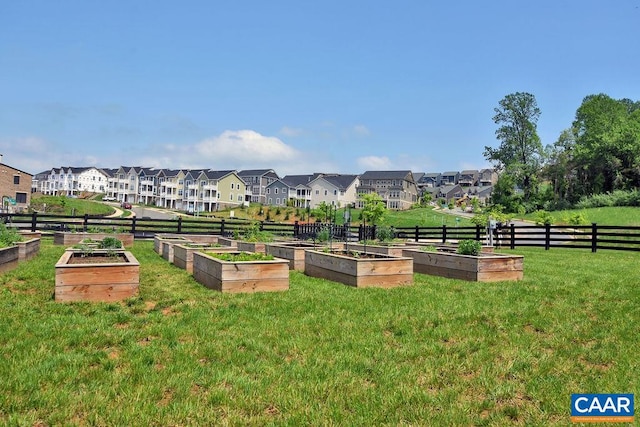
296, 180
340, 181
217, 174
386, 174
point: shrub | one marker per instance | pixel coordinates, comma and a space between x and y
543, 218
110, 243
577, 219
8, 236
323, 235
469, 247
385, 233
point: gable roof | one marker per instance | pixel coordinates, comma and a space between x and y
342, 182
402, 174
297, 180
217, 174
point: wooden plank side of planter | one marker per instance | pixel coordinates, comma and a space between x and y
95, 293
183, 255
378, 249
487, 268
258, 247
28, 249
360, 272
9, 258
79, 274
249, 276
295, 253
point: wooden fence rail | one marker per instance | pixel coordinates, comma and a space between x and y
592, 237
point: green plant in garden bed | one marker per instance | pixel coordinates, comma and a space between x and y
469, 247
9, 236
253, 234
440, 352
240, 257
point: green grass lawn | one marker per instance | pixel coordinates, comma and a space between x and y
618, 215
61, 205
440, 352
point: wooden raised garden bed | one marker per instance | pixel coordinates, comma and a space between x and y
160, 240
100, 275
28, 249
240, 276
292, 251
486, 267
9, 258
183, 253
391, 250
363, 270
68, 238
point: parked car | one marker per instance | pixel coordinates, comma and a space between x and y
126, 205
108, 199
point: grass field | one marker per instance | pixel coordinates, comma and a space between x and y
440, 352
61, 205
618, 215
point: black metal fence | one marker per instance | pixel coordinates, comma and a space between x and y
512, 236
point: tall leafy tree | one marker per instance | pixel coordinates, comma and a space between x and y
373, 207
520, 153
607, 134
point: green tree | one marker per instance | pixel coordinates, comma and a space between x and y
607, 148
520, 153
373, 207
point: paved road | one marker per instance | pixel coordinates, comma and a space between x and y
146, 212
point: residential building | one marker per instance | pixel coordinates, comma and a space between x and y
171, 184
15, 188
450, 193
279, 193
468, 178
40, 182
449, 178
148, 186
232, 189
333, 189
302, 198
256, 181
487, 177
397, 188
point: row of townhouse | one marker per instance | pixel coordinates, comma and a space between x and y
204, 190
466, 178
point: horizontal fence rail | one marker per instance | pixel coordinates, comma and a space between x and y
592, 237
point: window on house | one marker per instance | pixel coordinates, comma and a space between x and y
21, 197
232, 185
268, 191
278, 201
325, 192
270, 201
335, 192
231, 197
317, 192
284, 190
275, 191
16, 179
239, 197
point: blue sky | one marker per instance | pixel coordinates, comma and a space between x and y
301, 87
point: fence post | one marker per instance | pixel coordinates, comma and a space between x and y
417, 233
547, 236
261, 225
512, 243
296, 229
86, 222
133, 225
373, 232
594, 237
222, 227
34, 221
360, 233
444, 233
478, 232
179, 224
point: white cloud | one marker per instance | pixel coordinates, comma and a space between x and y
238, 146
375, 163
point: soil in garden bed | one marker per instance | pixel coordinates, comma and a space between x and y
97, 259
360, 255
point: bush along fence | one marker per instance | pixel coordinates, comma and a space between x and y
511, 236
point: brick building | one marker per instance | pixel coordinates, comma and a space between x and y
15, 188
